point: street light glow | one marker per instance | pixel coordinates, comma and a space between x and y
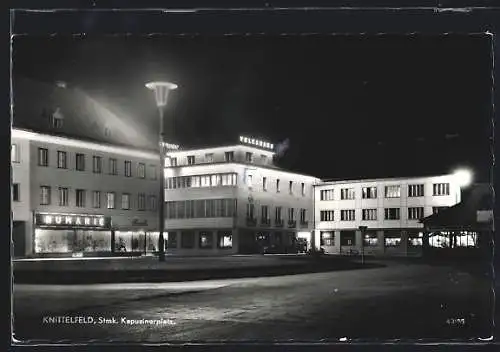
161, 90
463, 177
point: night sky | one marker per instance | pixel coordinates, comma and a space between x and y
351, 106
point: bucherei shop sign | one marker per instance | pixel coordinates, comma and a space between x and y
72, 220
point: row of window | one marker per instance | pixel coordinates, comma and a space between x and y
414, 213
278, 185
213, 180
393, 191
201, 208
97, 163
228, 157
205, 239
265, 213
97, 197
391, 239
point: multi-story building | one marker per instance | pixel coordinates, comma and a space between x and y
389, 208
72, 196
233, 199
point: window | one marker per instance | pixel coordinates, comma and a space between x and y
45, 195
369, 214
62, 160
113, 166
326, 194
187, 239
128, 168
392, 238
248, 157
415, 213
110, 200
416, 190
290, 187
205, 239
347, 193
16, 197
249, 181
277, 185
392, 213
264, 212
303, 189
152, 203
43, 157
436, 210
63, 196
152, 172
347, 215
80, 162
80, 198
141, 201
191, 159
441, 189
209, 157
369, 192
303, 216
229, 156
97, 164
347, 238
415, 239
393, 191
263, 159
370, 239
125, 201
277, 215
264, 183
326, 215
96, 199
291, 214
250, 211
224, 240
173, 161
14, 153
141, 170
327, 238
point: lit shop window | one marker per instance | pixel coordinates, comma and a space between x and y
392, 213
327, 238
71, 241
326, 215
392, 191
14, 153
369, 214
224, 240
416, 190
415, 213
370, 239
441, 189
369, 192
347, 193
392, 239
62, 160
347, 215
326, 194
415, 239
206, 239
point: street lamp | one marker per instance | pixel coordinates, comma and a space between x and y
161, 90
463, 177
363, 232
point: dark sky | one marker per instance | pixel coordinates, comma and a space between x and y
352, 106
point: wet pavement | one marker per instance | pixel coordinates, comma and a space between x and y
400, 301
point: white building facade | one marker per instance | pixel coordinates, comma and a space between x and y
390, 209
74, 197
232, 199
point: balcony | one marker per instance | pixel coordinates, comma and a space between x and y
251, 222
265, 222
292, 224
304, 224
278, 223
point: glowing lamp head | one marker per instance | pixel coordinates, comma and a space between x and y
463, 177
161, 90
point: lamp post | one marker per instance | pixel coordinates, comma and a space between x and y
363, 232
161, 91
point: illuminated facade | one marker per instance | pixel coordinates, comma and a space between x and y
232, 199
391, 210
76, 197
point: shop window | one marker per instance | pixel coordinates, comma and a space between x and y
187, 239
370, 239
171, 240
224, 240
205, 239
415, 239
392, 238
347, 238
327, 238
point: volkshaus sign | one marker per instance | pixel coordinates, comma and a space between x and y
72, 220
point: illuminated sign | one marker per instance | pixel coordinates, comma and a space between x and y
170, 146
72, 220
256, 142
